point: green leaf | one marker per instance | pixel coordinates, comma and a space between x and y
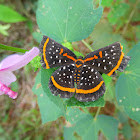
68, 133
109, 94
103, 36
67, 20
73, 102
9, 15
107, 3
3, 29
127, 131
127, 86
37, 36
88, 128
49, 111
45, 76
73, 115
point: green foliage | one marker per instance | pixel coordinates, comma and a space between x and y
127, 131
76, 23
50, 109
68, 45
103, 35
3, 29
37, 36
9, 15
36, 62
88, 128
127, 86
118, 11
107, 3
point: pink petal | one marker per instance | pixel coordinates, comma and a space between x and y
16, 61
7, 77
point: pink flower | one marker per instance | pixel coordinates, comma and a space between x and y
12, 63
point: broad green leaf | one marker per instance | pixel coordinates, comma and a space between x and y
68, 133
9, 15
48, 109
67, 20
73, 114
127, 131
88, 128
37, 36
128, 85
103, 35
73, 102
109, 94
122, 117
45, 76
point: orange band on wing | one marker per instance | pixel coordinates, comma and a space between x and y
61, 51
44, 53
82, 91
91, 58
117, 66
62, 88
70, 57
100, 53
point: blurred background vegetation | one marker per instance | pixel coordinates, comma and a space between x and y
20, 119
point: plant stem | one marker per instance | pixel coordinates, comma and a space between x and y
13, 49
130, 17
87, 45
97, 113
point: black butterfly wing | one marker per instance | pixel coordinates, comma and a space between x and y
54, 54
90, 86
108, 59
62, 81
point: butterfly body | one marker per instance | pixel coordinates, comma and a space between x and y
80, 77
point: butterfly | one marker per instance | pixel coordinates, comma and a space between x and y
80, 77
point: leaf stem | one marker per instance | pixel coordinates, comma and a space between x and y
97, 113
130, 17
13, 49
87, 45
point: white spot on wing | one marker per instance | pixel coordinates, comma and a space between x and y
105, 67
